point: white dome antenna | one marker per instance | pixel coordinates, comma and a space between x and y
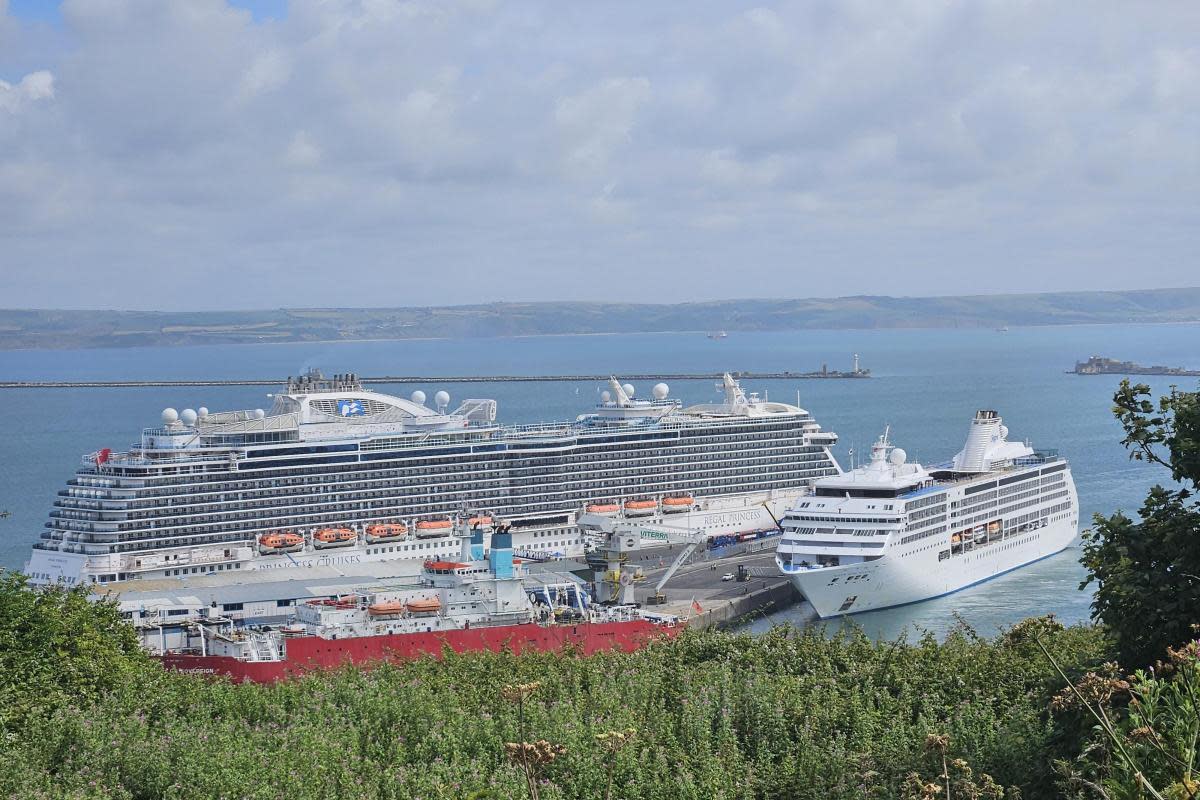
170, 416
202, 412
606, 397
661, 390
442, 399
898, 457
629, 389
188, 417
418, 397
259, 413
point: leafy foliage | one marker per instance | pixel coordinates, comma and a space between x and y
785, 715
1147, 573
1145, 742
59, 649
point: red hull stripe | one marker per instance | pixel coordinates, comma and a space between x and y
312, 652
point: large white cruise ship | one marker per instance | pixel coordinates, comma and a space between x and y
334, 475
891, 532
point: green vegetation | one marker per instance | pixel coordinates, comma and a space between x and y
1147, 573
712, 716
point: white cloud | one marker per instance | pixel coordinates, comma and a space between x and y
302, 151
31, 88
146, 140
598, 121
266, 73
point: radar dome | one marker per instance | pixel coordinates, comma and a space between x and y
201, 412
661, 390
169, 415
628, 389
605, 397
1003, 431
418, 397
259, 413
898, 457
442, 398
188, 416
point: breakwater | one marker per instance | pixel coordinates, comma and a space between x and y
681, 376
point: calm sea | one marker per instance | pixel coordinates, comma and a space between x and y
927, 385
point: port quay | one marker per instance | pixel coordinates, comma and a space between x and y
821, 374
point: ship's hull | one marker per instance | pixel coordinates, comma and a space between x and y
308, 653
898, 580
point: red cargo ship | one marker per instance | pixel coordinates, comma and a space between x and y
468, 605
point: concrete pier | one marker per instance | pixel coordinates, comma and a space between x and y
722, 603
427, 379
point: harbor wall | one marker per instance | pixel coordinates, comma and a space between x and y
739, 609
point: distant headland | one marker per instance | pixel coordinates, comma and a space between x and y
51, 329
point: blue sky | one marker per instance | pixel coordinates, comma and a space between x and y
199, 153
49, 10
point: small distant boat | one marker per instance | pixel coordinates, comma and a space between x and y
1002, 329
718, 335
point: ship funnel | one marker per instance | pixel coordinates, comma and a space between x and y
619, 393
501, 557
985, 434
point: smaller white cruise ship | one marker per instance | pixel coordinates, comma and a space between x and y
892, 532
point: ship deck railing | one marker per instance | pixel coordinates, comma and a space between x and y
476, 432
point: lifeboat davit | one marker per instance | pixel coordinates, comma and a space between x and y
676, 505
603, 509
334, 537
388, 609
280, 543
434, 527
424, 606
640, 508
386, 532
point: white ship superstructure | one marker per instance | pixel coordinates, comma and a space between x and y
891, 532
335, 474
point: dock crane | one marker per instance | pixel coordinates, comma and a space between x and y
615, 577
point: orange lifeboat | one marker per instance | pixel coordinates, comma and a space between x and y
483, 522
386, 532
390, 608
603, 509
334, 537
434, 527
676, 505
640, 508
443, 566
280, 543
425, 605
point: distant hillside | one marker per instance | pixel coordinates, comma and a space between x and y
63, 329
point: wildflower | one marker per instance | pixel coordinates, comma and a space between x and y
937, 742
520, 691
